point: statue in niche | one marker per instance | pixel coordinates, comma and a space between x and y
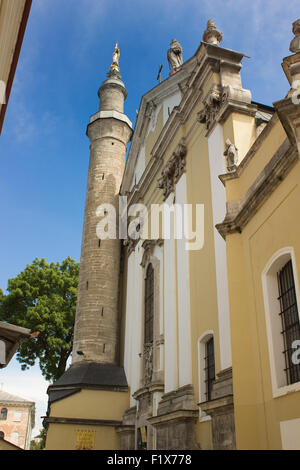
175, 56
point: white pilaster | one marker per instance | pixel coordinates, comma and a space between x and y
183, 292
171, 360
217, 167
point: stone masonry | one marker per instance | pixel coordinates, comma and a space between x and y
96, 336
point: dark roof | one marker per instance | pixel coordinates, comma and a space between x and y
88, 375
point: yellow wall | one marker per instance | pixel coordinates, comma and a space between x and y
63, 437
87, 404
275, 226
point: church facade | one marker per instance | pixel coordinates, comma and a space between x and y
166, 353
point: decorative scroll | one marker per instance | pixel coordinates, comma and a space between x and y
173, 170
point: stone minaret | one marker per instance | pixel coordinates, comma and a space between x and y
96, 337
94, 392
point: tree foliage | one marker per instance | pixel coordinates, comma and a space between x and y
43, 298
40, 445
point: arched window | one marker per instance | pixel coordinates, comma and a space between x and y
3, 414
210, 373
149, 305
2, 435
282, 317
206, 365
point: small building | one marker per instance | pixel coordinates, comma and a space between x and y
5, 445
13, 21
11, 336
17, 419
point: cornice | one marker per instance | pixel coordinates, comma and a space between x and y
251, 152
177, 415
150, 388
239, 213
82, 421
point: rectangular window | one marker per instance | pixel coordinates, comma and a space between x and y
289, 319
209, 367
149, 305
17, 416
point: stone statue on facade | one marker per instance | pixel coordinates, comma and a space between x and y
295, 44
148, 362
232, 156
211, 34
175, 56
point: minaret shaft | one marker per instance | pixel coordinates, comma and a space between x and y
96, 337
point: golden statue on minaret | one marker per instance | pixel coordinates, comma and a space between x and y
114, 68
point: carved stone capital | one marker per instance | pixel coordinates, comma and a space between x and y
130, 244
173, 170
148, 246
212, 105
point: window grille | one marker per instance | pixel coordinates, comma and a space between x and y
289, 319
209, 367
149, 304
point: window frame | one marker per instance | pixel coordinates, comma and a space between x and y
6, 413
149, 297
273, 320
202, 342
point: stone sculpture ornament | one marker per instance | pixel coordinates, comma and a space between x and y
211, 34
175, 56
295, 44
212, 105
148, 362
232, 156
173, 170
114, 68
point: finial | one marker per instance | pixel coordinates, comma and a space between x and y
159, 73
114, 70
295, 44
211, 34
175, 56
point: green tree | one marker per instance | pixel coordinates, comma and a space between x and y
42, 441
43, 299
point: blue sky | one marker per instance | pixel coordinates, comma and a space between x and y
66, 53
